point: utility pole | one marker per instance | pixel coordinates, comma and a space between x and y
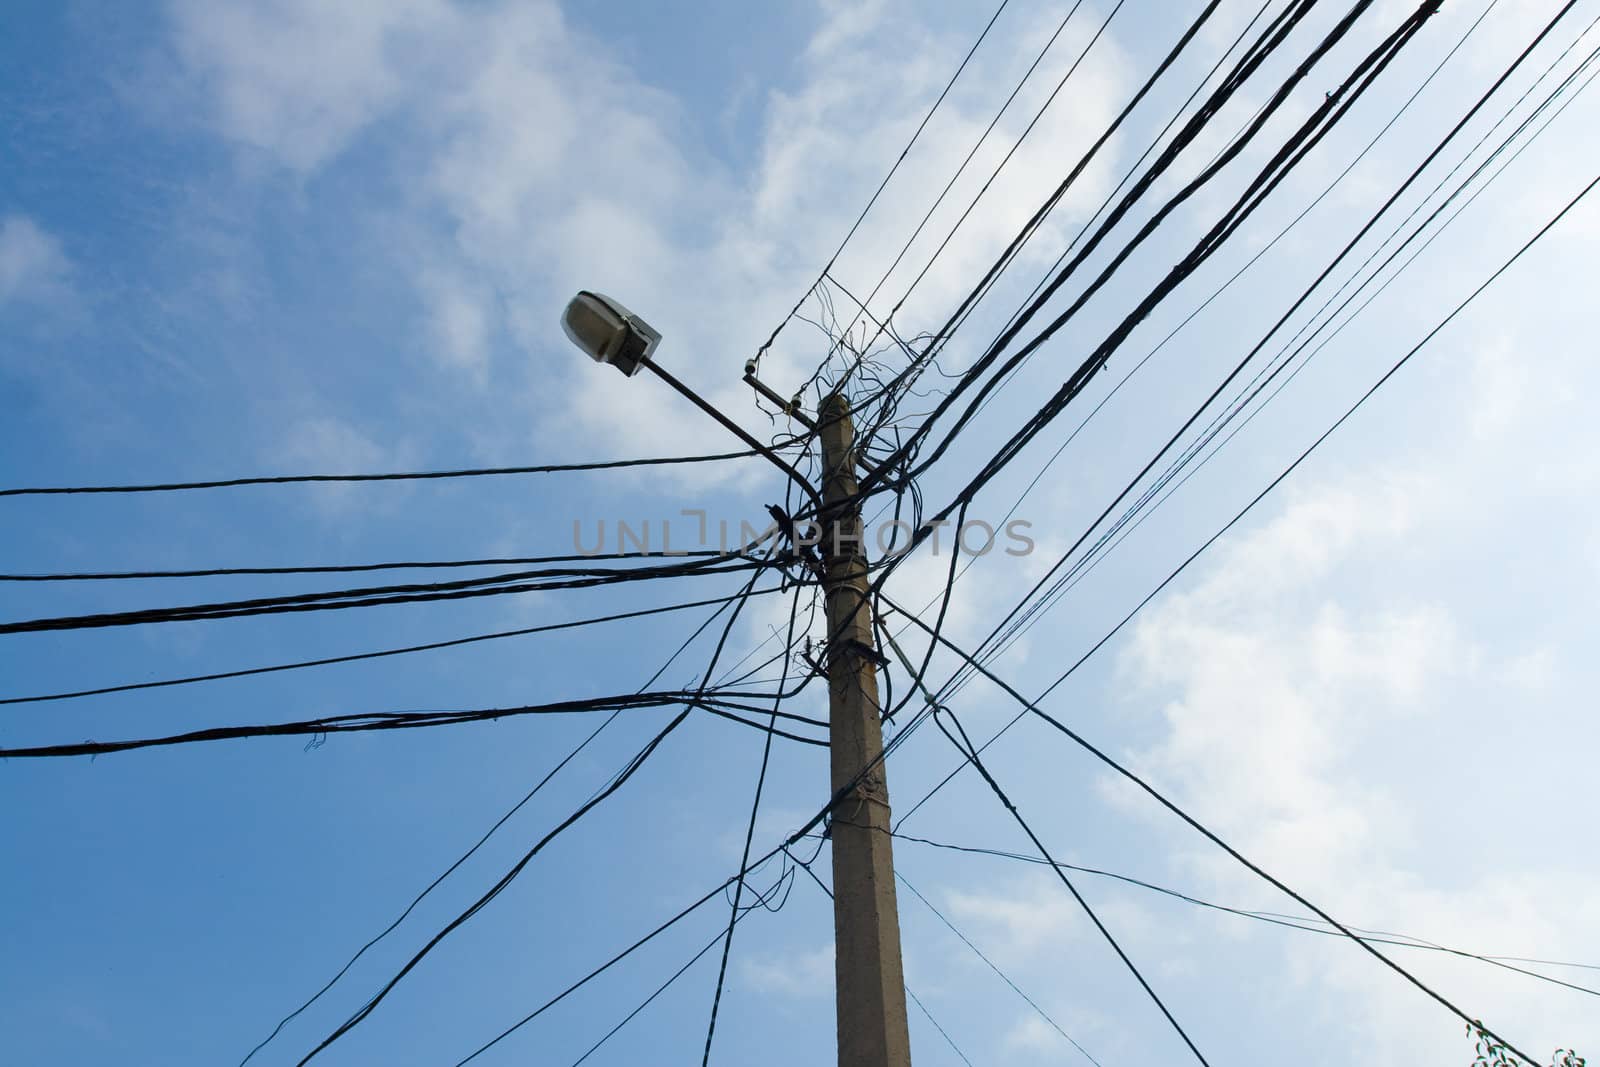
870, 985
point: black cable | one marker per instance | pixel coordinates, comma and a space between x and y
662, 988
862, 306
292, 479
914, 998
1264, 492
494, 891
1271, 38
1212, 837
1292, 922
1067, 392
613, 961
357, 656
749, 835
1003, 976
518, 806
901, 158
942, 1032
805, 829
973, 662
1293, 150
965, 744
351, 568
371, 596
1110, 198
1143, 507
1334, 107
413, 720
1023, 235
992, 278
1259, 254
589, 805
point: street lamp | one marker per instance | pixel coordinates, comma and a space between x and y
610, 333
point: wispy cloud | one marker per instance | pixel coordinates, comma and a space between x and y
33, 266
535, 165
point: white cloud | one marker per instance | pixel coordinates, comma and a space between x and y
1033, 1035
330, 444
325, 444
543, 166
33, 266
1020, 918
807, 974
1288, 687
459, 317
295, 78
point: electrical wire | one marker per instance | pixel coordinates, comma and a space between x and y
964, 743
1284, 359
749, 835
350, 568
372, 596
617, 783
1292, 922
1327, 114
468, 854
914, 998
368, 722
404, 476
1305, 295
901, 158
971, 153
991, 965
1024, 234
379, 654
976, 664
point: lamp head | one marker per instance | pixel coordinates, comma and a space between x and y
609, 332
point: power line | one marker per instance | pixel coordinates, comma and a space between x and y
991, 965
350, 568
1269, 41
971, 752
381, 653
468, 854
1292, 922
655, 932
901, 158
973, 151
404, 476
963, 743
749, 834
1068, 391
1031, 226
1254, 259
718, 705
1328, 113
805, 866
1276, 366
739, 914
1283, 475
1333, 108
1030, 706
411, 593
1029, 229
616, 783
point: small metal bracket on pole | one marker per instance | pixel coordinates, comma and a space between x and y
792, 409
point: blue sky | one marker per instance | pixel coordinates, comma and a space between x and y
283, 237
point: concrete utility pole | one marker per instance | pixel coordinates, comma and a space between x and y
870, 986
871, 991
